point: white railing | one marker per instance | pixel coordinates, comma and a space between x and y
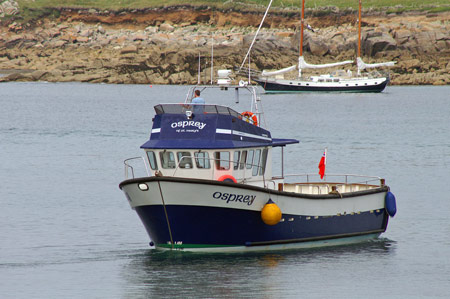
247, 171
338, 178
130, 169
332, 183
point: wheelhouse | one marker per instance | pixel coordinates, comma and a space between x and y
245, 164
209, 142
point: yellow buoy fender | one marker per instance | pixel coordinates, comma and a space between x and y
271, 213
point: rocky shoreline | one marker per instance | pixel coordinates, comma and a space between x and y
163, 46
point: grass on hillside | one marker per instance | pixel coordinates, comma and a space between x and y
393, 5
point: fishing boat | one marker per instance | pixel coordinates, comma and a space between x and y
274, 81
209, 186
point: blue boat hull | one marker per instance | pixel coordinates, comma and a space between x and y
203, 227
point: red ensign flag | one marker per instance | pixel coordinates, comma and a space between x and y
322, 164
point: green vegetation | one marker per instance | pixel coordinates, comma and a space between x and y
35, 9
391, 5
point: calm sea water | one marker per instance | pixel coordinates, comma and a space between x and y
67, 231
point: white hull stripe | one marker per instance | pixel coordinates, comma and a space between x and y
229, 132
238, 133
343, 82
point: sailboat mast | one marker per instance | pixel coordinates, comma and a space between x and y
301, 27
359, 30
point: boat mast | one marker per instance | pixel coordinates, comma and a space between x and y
359, 62
359, 34
301, 36
198, 80
256, 34
212, 58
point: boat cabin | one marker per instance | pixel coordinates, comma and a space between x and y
210, 142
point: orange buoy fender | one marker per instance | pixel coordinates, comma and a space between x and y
227, 178
271, 213
249, 115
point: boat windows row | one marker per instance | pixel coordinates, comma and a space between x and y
254, 159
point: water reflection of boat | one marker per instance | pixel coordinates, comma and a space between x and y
215, 273
274, 81
210, 186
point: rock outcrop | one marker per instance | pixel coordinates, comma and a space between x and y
164, 47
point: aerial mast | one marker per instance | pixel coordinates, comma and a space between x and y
301, 27
359, 30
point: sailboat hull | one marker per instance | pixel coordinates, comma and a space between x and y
344, 85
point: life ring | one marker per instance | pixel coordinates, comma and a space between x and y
249, 115
227, 178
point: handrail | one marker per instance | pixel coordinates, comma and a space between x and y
347, 178
256, 107
128, 166
366, 179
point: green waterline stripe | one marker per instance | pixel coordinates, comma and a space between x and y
170, 246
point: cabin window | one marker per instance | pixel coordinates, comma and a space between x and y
250, 159
167, 159
237, 155
262, 169
184, 159
152, 159
222, 160
329, 80
256, 162
320, 80
202, 160
243, 159
335, 80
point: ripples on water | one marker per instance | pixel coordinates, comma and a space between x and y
67, 230
271, 274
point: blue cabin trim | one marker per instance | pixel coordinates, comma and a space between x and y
213, 129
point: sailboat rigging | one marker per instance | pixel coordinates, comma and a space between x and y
271, 81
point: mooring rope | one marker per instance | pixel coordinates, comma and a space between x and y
167, 217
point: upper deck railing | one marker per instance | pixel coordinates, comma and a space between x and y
328, 182
249, 168
208, 109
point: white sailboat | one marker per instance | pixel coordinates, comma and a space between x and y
343, 81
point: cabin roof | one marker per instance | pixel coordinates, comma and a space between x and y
218, 144
214, 127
